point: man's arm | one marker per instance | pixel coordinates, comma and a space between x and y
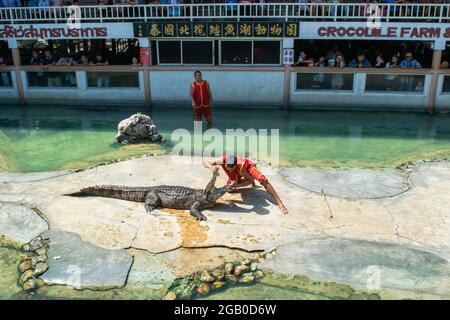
210, 94
213, 164
191, 95
269, 188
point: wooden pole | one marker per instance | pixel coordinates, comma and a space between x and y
437, 56
17, 64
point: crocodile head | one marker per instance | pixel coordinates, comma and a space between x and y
212, 194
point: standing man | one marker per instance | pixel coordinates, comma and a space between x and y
243, 171
201, 98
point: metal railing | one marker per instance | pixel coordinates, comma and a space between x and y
279, 11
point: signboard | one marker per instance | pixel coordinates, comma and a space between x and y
216, 30
288, 56
144, 56
64, 31
387, 31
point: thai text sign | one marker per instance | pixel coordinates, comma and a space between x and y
216, 29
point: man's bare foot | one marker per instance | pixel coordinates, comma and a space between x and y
283, 209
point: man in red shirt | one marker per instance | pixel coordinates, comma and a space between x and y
243, 171
201, 98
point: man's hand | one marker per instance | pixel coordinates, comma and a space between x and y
214, 168
283, 209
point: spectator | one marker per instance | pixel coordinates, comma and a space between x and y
135, 62
319, 78
84, 60
302, 60
35, 59
99, 60
47, 59
391, 79
406, 81
379, 62
33, 3
333, 52
43, 3
5, 75
337, 79
65, 60
11, 3
321, 62
360, 62
53, 78
409, 62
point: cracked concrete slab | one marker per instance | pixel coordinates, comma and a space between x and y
20, 223
351, 183
374, 265
79, 264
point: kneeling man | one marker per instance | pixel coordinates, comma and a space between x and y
244, 172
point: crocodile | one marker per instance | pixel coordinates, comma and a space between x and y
164, 196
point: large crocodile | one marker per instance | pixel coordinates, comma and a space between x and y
175, 197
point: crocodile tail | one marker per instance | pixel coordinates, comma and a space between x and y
118, 192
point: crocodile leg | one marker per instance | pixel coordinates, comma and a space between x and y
195, 212
152, 201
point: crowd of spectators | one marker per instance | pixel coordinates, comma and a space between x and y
335, 59
48, 3
45, 59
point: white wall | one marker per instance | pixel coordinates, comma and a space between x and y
442, 99
82, 93
10, 94
228, 87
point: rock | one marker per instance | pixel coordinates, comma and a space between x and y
246, 262
26, 248
247, 278
41, 267
26, 256
203, 289
186, 292
217, 285
206, 277
253, 266
170, 296
231, 278
240, 269
39, 283
261, 260
41, 251
269, 256
25, 276
30, 284
137, 128
219, 274
229, 267
20, 223
258, 274
25, 265
36, 260
36, 243
83, 265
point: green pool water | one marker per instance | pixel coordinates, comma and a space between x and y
43, 138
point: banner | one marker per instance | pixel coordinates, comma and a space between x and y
144, 56
288, 56
216, 30
387, 31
